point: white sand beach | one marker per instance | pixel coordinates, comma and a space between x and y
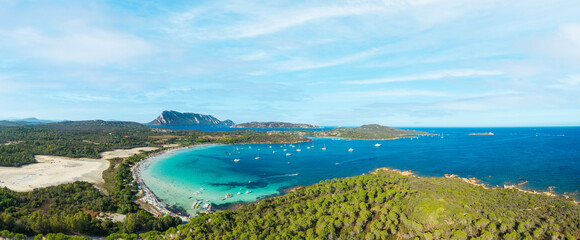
55, 170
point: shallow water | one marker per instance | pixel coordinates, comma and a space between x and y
542, 156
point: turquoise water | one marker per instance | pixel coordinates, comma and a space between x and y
542, 156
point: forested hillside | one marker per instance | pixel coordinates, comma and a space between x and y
73, 208
388, 205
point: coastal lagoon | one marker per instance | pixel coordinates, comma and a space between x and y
539, 157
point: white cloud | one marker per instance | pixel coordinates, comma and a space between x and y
429, 76
299, 64
84, 98
387, 93
260, 55
563, 45
257, 19
570, 82
83, 45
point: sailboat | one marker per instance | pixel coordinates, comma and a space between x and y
350, 149
324, 148
236, 160
377, 144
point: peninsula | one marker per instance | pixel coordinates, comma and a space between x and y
274, 125
367, 132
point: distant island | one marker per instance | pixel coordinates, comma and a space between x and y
367, 132
174, 118
22, 122
274, 125
482, 134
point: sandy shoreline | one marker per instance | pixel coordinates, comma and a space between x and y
148, 196
56, 170
159, 207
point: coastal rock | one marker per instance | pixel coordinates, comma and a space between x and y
174, 118
274, 125
482, 134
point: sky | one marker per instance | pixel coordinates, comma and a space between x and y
331, 63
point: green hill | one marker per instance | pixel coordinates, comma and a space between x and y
4, 123
367, 132
388, 205
94, 125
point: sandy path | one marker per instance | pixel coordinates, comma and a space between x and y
54, 170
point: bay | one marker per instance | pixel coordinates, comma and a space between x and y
540, 157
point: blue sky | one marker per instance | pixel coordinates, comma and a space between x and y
392, 62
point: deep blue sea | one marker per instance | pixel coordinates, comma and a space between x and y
546, 156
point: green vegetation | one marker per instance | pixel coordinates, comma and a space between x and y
19, 144
71, 209
388, 205
4, 123
385, 205
274, 125
366, 132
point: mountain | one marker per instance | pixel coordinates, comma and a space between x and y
94, 125
33, 120
23, 121
173, 118
274, 125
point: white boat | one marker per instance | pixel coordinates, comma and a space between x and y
324, 148
236, 160
288, 154
248, 191
298, 150
239, 193
350, 149
307, 147
257, 158
377, 144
